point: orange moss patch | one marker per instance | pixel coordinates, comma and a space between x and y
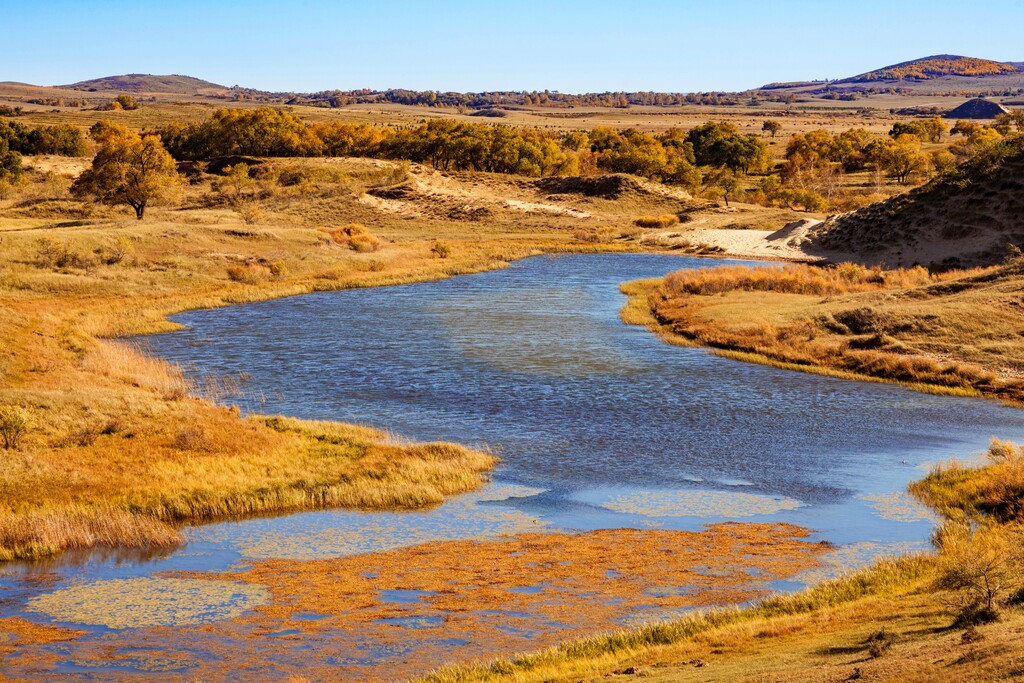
401, 613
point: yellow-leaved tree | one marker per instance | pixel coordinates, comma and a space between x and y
129, 168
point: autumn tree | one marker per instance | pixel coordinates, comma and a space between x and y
10, 161
1014, 117
128, 169
901, 157
724, 180
127, 102
981, 563
772, 127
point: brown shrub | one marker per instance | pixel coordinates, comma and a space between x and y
665, 221
249, 274
356, 237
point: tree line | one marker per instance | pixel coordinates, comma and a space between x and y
17, 139
449, 145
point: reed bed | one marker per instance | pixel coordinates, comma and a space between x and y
819, 332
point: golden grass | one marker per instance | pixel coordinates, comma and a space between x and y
589, 656
664, 221
815, 634
994, 490
848, 321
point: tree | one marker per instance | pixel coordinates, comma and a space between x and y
981, 564
127, 102
772, 127
725, 180
901, 157
128, 169
1013, 117
10, 161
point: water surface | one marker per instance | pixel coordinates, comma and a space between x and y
599, 425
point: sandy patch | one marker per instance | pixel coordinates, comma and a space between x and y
545, 208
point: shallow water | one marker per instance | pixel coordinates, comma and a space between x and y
615, 426
599, 425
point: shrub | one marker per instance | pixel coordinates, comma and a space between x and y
356, 237
121, 249
879, 642
191, 439
250, 212
364, 243
665, 221
441, 249
14, 424
52, 253
595, 235
278, 269
249, 274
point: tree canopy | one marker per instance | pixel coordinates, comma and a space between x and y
129, 168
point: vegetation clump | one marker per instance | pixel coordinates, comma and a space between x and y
356, 237
128, 169
15, 422
664, 221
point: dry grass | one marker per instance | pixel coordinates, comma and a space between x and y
994, 490
943, 333
665, 221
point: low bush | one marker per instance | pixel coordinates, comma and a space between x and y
596, 235
441, 249
356, 237
248, 274
665, 221
15, 422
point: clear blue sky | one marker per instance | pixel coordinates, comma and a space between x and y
566, 45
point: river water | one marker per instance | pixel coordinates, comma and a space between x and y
599, 425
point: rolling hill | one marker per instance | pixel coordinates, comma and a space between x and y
936, 66
967, 218
146, 83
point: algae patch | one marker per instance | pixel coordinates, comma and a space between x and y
146, 602
698, 504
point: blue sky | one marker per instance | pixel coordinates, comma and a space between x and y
571, 46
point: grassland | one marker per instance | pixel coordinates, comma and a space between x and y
953, 333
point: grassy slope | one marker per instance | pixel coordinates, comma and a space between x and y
959, 335
822, 635
966, 219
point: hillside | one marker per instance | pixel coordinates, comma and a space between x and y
936, 66
966, 218
185, 85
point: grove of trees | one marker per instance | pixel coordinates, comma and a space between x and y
450, 145
62, 139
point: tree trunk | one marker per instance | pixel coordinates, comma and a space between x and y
139, 210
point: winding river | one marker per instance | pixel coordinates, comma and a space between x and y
599, 425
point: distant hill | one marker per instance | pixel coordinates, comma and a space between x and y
936, 66
977, 109
183, 85
967, 218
